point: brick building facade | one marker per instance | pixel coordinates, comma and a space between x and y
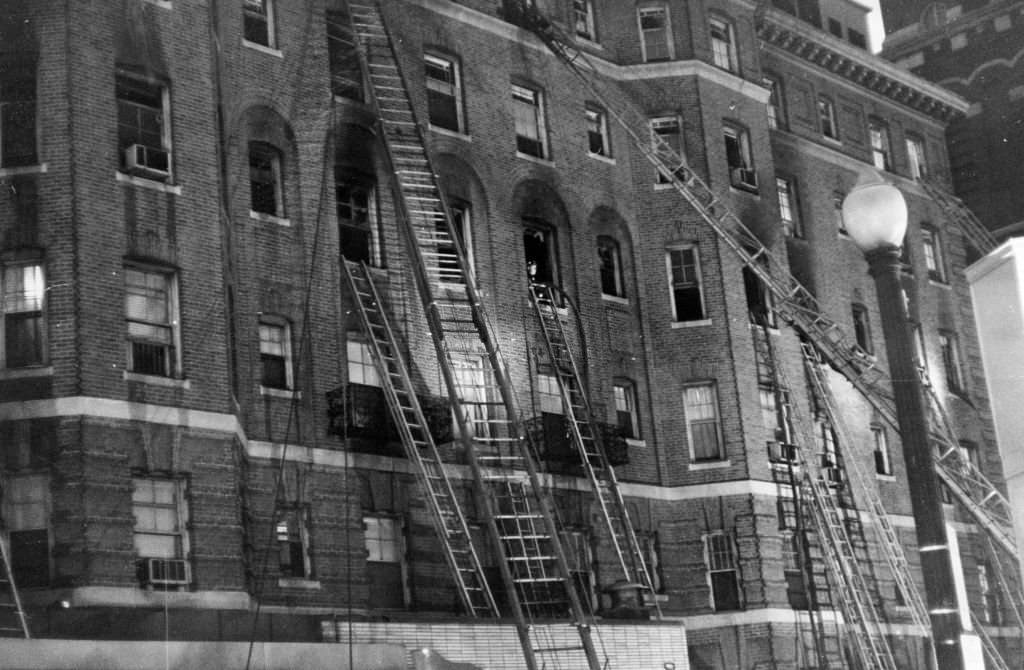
190, 417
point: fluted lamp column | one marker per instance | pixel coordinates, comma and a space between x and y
875, 216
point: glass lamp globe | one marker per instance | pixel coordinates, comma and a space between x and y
875, 214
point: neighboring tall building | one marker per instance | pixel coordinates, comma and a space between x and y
973, 49
192, 422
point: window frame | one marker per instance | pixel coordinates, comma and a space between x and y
173, 357
723, 49
370, 226
21, 112
38, 487
272, 160
673, 285
454, 91
596, 121
934, 261
583, 13
624, 399
650, 8
828, 123
267, 18
880, 142
7, 313
776, 105
360, 367
346, 80
530, 98
882, 453
690, 409
722, 559
917, 158
608, 244
837, 212
861, 320
742, 174
789, 201
125, 137
284, 326
286, 543
397, 523
542, 230
952, 361
180, 505
656, 126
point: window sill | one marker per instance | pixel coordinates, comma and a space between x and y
41, 168
885, 478
162, 4
633, 442
938, 283
152, 184
298, 583
25, 373
832, 140
614, 299
270, 218
262, 48
664, 186
447, 132
287, 394
772, 330
602, 158
691, 324
745, 189
156, 380
535, 159
709, 465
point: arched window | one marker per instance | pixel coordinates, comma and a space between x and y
610, 261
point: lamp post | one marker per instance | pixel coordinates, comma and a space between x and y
875, 215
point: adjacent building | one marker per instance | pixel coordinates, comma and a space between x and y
195, 444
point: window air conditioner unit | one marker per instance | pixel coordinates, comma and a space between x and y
745, 177
167, 571
147, 161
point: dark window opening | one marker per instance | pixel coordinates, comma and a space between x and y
541, 255
17, 117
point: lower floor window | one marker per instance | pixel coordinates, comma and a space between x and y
26, 513
723, 571
385, 568
292, 532
161, 515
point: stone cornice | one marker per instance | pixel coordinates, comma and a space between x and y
857, 66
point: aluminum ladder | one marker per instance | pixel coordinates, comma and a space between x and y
420, 447
516, 507
586, 437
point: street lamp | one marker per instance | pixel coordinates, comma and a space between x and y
875, 216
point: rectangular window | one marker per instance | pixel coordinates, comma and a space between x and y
776, 113
857, 38
540, 251
578, 555
346, 72
17, 117
361, 369
770, 414
151, 310
625, 409
265, 180
610, 262
358, 230
667, 141
862, 327
917, 164
275, 354
685, 284
789, 210
444, 93
655, 34
760, 306
649, 550
161, 516
950, 348
835, 28
740, 157
720, 556
22, 290
933, 254
143, 137
837, 212
702, 427
472, 374
384, 561
883, 465
723, 44
528, 113
827, 118
549, 394
26, 501
881, 152
450, 270
292, 535
919, 348
258, 22
583, 19
597, 132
